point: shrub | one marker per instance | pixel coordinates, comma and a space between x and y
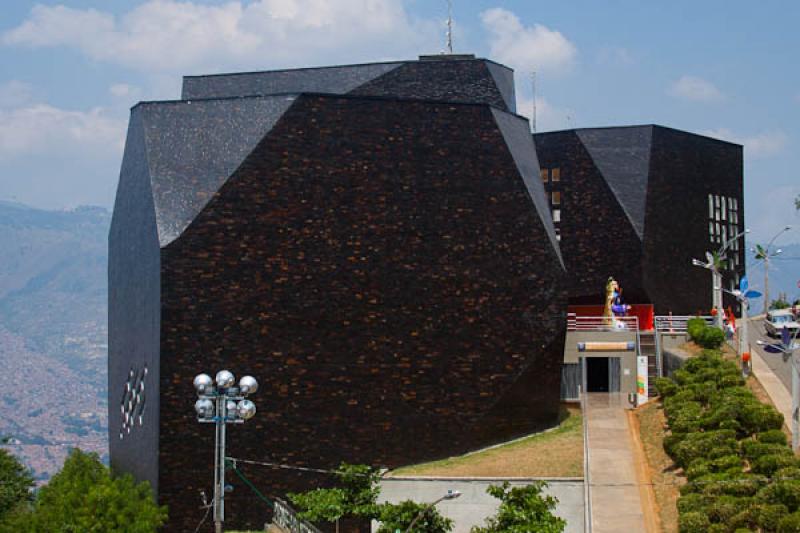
697, 445
522, 509
769, 464
782, 492
724, 509
757, 418
394, 517
769, 516
693, 522
772, 436
792, 472
698, 468
752, 449
666, 387
742, 520
695, 327
789, 524
711, 338
694, 502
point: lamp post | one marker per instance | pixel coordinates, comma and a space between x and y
764, 254
450, 495
713, 263
222, 405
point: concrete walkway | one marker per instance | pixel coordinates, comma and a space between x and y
614, 491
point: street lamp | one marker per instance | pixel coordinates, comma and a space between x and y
450, 495
713, 263
222, 404
763, 253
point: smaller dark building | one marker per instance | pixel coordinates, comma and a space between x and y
638, 203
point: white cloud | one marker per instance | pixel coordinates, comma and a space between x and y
15, 93
765, 144
42, 128
615, 56
122, 90
695, 89
169, 36
526, 48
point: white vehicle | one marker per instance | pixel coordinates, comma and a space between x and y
777, 319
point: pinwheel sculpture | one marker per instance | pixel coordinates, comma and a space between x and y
743, 295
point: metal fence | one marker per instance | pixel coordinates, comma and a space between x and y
601, 323
286, 518
677, 324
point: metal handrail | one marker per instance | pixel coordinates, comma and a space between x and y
625, 324
676, 323
286, 518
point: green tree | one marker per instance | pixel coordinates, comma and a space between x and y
523, 509
781, 302
84, 497
394, 517
355, 495
16, 483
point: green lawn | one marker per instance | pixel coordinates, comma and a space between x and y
554, 453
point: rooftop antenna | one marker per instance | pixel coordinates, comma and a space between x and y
450, 27
533, 90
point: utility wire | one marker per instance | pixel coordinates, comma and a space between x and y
568, 483
253, 487
235, 460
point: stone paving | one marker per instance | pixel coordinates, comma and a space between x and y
615, 496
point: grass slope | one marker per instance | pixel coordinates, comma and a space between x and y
553, 453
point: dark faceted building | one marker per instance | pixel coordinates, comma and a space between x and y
638, 203
373, 243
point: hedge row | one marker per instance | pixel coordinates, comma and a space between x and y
708, 337
742, 475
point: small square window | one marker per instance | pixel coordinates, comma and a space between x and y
558, 234
555, 174
543, 173
710, 206
556, 198
556, 215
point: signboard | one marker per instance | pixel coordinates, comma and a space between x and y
641, 380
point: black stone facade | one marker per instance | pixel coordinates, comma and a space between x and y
634, 205
384, 266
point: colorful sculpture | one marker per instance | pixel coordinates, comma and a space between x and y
615, 307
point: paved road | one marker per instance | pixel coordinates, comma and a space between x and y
780, 367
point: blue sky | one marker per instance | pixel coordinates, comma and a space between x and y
70, 71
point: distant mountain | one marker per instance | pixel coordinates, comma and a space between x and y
53, 330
